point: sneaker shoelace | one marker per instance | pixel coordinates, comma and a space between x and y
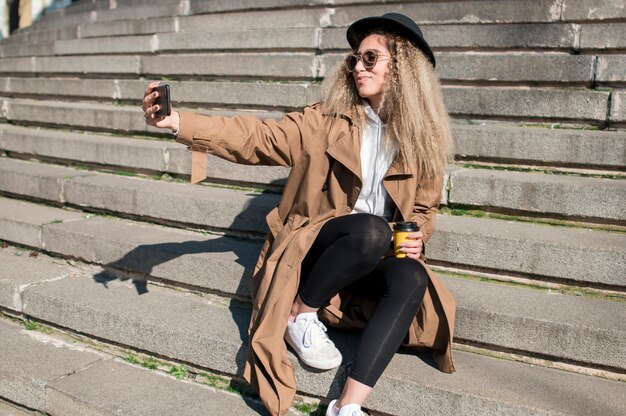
315, 330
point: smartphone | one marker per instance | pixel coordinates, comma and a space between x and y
163, 100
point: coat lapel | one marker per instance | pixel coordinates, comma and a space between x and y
399, 182
346, 149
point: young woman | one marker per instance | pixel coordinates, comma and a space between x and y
372, 153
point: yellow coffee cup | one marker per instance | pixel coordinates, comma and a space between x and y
400, 232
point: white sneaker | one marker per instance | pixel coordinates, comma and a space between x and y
347, 410
307, 336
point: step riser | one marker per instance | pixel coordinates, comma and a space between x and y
604, 150
232, 210
215, 338
224, 265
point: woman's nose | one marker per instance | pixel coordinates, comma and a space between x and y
359, 66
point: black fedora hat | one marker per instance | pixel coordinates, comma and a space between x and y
393, 23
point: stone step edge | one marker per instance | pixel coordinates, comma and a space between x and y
437, 390
53, 337
563, 289
467, 309
460, 131
303, 402
165, 365
446, 207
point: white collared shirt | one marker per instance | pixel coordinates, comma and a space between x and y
375, 161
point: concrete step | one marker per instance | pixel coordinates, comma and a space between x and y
128, 27
618, 107
21, 50
573, 197
65, 378
92, 116
541, 146
585, 10
558, 147
583, 198
130, 154
543, 252
158, 8
453, 66
10, 409
293, 95
541, 105
106, 45
24, 37
213, 335
556, 36
184, 257
340, 15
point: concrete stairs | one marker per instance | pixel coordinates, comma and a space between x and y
531, 236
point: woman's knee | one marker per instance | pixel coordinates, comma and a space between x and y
409, 279
373, 233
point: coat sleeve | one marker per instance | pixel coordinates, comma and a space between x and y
426, 204
247, 139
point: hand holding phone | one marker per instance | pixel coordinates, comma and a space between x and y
163, 101
158, 97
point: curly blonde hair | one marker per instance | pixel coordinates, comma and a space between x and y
418, 126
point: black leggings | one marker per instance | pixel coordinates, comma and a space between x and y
347, 252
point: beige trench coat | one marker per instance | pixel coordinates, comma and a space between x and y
324, 183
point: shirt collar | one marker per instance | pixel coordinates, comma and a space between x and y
370, 115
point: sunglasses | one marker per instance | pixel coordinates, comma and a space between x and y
368, 57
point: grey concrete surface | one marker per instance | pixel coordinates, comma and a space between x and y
78, 115
603, 36
507, 246
256, 20
269, 64
28, 363
21, 222
228, 209
263, 94
501, 66
210, 262
570, 196
236, 38
65, 379
611, 68
106, 45
19, 271
34, 35
76, 88
39, 49
593, 9
496, 36
111, 387
214, 335
588, 330
463, 66
154, 155
563, 326
143, 11
86, 115
541, 145
119, 151
17, 65
457, 12
532, 103
127, 27
573, 254
8, 409
618, 106
19, 178
100, 64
